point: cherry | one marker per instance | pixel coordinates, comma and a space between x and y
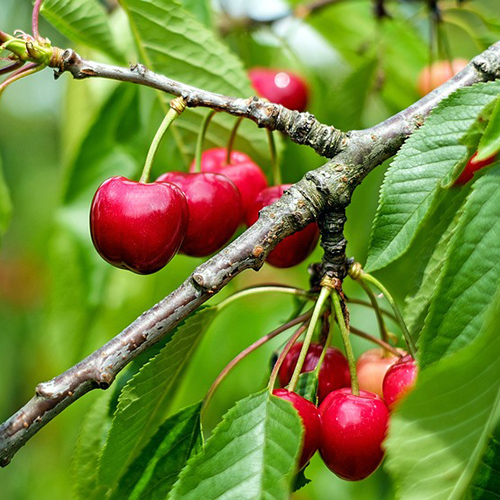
214, 210
353, 429
281, 87
472, 167
333, 374
437, 73
138, 226
246, 175
310, 421
399, 380
371, 368
294, 248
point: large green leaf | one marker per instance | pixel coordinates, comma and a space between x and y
172, 42
486, 482
431, 252
82, 21
251, 454
88, 449
153, 473
145, 399
438, 435
471, 274
426, 160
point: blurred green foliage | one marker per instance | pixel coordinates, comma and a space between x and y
59, 301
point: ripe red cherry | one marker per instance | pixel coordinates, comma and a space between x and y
310, 420
371, 368
281, 87
399, 380
437, 73
138, 226
333, 374
353, 429
246, 175
472, 167
294, 248
214, 210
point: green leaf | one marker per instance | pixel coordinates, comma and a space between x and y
486, 482
426, 160
489, 145
153, 473
5, 204
146, 397
82, 21
438, 435
430, 253
172, 42
471, 274
252, 453
88, 449
307, 386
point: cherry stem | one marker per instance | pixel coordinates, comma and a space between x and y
376, 340
29, 69
177, 106
408, 338
274, 161
376, 308
283, 355
11, 67
361, 302
262, 289
323, 296
222, 375
201, 139
232, 138
325, 347
34, 18
344, 331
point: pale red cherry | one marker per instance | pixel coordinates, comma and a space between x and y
437, 73
371, 368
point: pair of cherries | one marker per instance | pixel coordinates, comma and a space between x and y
347, 429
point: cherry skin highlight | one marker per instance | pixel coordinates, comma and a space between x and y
138, 226
472, 167
353, 429
281, 87
245, 174
333, 374
214, 210
310, 421
437, 73
294, 248
399, 380
371, 368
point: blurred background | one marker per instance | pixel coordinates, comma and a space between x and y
59, 301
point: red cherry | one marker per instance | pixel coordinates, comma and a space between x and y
472, 167
353, 429
333, 374
281, 87
246, 175
371, 368
138, 226
214, 210
310, 420
294, 248
437, 73
399, 380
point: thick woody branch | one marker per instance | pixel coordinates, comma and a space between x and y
302, 128
323, 194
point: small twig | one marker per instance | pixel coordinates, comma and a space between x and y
361, 302
375, 340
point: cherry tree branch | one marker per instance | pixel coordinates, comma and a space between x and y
322, 194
